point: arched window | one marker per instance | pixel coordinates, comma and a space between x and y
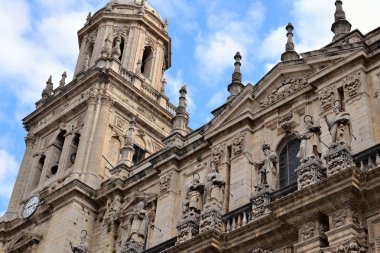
55, 155
73, 151
289, 162
147, 62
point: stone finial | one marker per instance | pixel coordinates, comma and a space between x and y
166, 25
341, 26
142, 7
289, 54
181, 118
127, 151
236, 86
48, 91
62, 82
163, 87
88, 19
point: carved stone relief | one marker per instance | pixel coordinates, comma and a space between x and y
120, 31
165, 182
338, 218
238, 144
218, 153
283, 90
308, 231
327, 97
284, 121
352, 83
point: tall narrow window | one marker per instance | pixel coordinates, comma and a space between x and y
147, 62
139, 154
289, 163
122, 44
37, 172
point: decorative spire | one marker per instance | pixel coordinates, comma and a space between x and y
289, 54
236, 86
63, 80
341, 26
181, 119
48, 91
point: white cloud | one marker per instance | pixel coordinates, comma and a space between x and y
272, 48
217, 99
228, 33
8, 171
174, 84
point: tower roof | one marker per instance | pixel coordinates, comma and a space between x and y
136, 3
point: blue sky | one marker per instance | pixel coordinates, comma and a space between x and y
38, 39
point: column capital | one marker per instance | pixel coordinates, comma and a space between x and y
30, 139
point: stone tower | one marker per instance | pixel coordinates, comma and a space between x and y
80, 131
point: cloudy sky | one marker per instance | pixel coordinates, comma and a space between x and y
38, 39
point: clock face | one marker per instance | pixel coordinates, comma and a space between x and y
30, 206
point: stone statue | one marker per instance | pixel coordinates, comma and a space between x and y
340, 127
83, 245
215, 185
137, 225
265, 167
310, 140
194, 191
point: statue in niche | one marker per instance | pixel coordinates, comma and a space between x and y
137, 225
215, 185
310, 140
194, 191
340, 127
265, 167
83, 245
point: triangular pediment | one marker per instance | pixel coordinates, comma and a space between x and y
229, 113
136, 197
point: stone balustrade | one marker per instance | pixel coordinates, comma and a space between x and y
237, 218
369, 159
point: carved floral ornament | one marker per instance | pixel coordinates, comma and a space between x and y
238, 144
120, 31
339, 218
283, 90
327, 97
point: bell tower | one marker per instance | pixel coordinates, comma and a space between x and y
79, 130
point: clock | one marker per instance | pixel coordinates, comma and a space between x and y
30, 206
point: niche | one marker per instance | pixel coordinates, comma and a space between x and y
147, 62
37, 172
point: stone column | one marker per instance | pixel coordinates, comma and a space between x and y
85, 136
21, 177
167, 207
93, 167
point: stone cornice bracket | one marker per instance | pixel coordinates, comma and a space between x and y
30, 139
341, 26
236, 86
104, 76
290, 54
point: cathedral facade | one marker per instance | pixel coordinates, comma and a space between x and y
288, 165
